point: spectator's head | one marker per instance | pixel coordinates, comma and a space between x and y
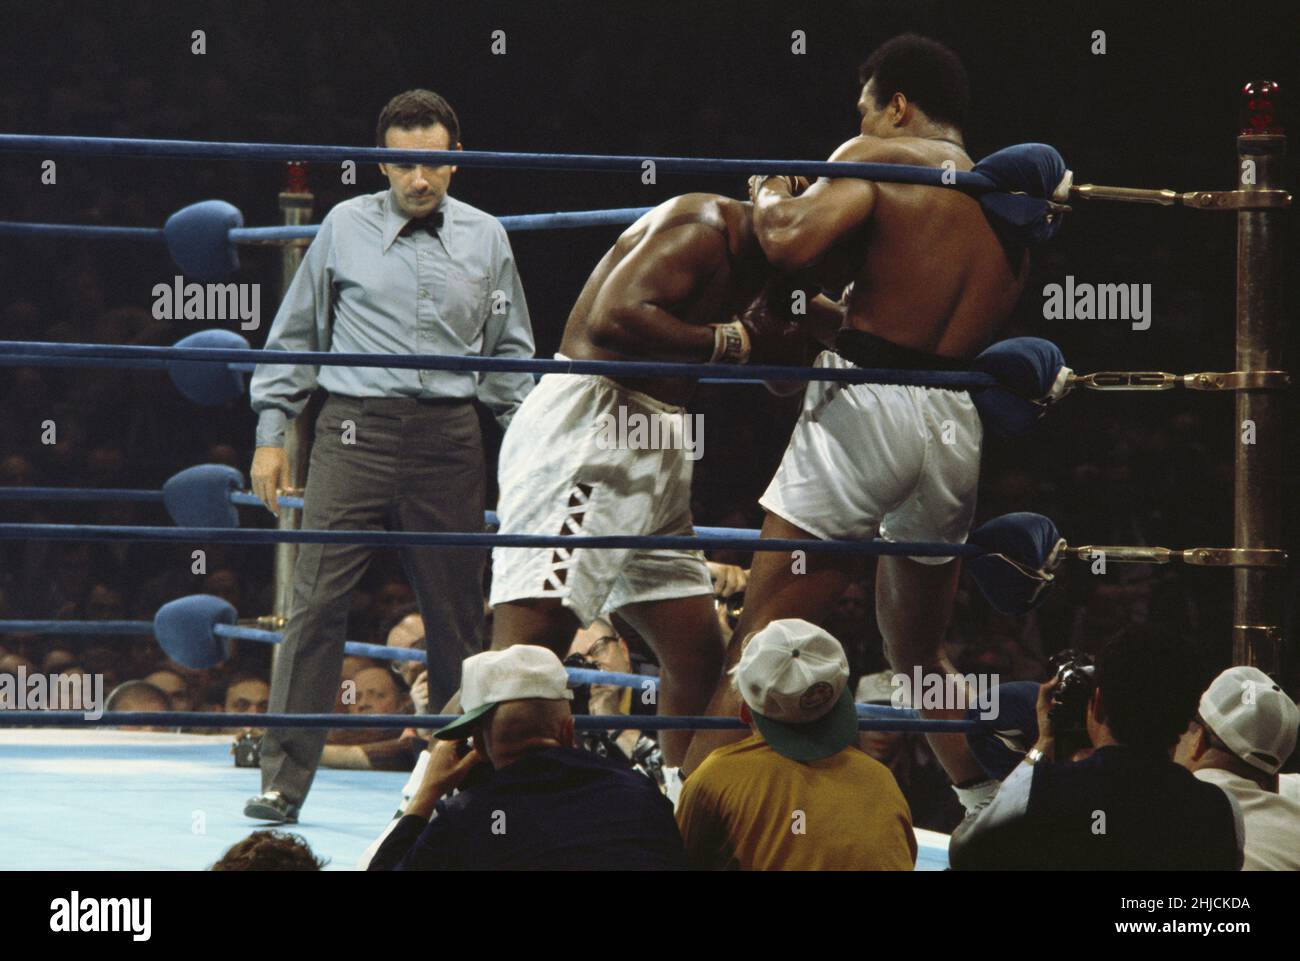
105, 662
910, 83
269, 851
408, 634
138, 696
224, 454
224, 583
392, 599
600, 643
13, 663
877, 689
174, 686
1148, 683
515, 701
378, 691
17, 471
58, 661
1245, 724
246, 694
793, 681
418, 120
103, 603
105, 465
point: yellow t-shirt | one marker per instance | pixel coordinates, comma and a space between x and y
748, 807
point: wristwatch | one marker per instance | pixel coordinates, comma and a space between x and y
1034, 756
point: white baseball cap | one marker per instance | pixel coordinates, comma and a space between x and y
521, 672
794, 678
1252, 716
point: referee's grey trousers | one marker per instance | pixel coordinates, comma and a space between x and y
378, 463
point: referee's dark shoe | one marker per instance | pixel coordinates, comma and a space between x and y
272, 806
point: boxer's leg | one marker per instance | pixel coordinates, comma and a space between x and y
686, 638
913, 606
543, 621
781, 584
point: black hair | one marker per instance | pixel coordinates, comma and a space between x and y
923, 70
417, 108
1150, 685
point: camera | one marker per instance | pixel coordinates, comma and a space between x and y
735, 605
1069, 710
247, 750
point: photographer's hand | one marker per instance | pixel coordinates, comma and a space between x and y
1046, 736
444, 774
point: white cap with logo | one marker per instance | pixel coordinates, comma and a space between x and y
1252, 716
794, 678
521, 672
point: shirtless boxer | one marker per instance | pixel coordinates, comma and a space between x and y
668, 290
931, 285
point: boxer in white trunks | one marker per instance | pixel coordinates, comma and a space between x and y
930, 283
679, 285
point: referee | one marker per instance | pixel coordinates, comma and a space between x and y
406, 270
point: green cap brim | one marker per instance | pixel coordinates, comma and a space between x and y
459, 729
824, 737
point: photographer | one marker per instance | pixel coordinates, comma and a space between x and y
1127, 805
545, 804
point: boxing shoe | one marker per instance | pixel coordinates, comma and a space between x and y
272, 806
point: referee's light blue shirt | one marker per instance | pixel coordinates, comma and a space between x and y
365, 288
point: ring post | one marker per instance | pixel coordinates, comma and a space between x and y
1257, 473
295, 209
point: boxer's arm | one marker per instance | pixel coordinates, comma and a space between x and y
633, 315
797, 227
797, 231
824, 319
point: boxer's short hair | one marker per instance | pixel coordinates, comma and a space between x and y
923, 70
417, 108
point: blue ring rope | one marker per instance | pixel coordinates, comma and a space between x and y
244, 499
16, 353
226, 535
560, 220
291, 153
577, 675
15, 228
13, 626
584, 722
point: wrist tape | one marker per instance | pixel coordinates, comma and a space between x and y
730, 343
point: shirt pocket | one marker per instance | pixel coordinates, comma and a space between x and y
466, 305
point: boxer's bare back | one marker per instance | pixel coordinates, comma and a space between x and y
691, 262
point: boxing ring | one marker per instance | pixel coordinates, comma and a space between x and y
89, 796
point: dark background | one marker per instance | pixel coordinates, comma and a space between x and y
705, 78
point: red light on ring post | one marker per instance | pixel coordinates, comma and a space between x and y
295, 178
1261, 108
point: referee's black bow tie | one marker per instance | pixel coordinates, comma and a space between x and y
431, 223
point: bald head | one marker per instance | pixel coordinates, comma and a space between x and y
516, 728
138, 696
